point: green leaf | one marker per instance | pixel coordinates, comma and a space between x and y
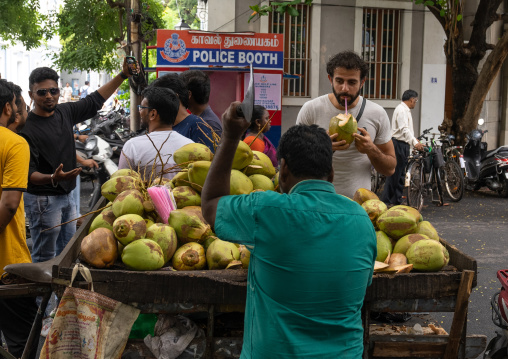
459, 17
254, 8
292, 11
429, 3
295, 2
252, 17
281, 9
418, 2
442, 12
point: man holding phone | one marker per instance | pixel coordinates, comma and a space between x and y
52, 171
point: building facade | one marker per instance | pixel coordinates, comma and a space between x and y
401, 41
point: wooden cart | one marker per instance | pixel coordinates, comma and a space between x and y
224, 291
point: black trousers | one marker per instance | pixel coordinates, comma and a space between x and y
394, 185
16, 318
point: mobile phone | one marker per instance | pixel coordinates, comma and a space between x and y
133, 65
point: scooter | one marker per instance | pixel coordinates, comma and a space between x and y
498, 346
100, 151
485, 168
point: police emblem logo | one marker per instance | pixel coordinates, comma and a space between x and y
174, 49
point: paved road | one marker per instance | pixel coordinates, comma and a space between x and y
477, 225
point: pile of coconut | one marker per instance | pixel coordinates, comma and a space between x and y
130, 229
404, 240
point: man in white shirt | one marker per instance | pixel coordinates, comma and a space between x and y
403, 138
372, 146
158, 111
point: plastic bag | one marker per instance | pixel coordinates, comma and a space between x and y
88, 324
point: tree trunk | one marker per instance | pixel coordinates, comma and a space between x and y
487, 75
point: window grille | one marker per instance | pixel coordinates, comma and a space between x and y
380, 49
296, 32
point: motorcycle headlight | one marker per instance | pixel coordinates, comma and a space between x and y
477, 135
91, 143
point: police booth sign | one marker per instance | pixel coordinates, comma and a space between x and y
199, 49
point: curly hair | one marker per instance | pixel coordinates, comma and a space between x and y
349, 60
307, 151
41, 74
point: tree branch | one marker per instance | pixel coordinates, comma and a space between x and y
485, 15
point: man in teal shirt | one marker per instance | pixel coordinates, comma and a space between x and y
312, 250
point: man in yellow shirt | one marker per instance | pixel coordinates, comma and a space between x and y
17, 314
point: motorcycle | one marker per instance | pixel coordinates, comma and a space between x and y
485, 168
100, 151
113, 127
498, 346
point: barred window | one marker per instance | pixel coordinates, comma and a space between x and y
380, 49
296, 32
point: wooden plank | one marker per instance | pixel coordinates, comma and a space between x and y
461, 260
459, 317
404, 346
442, 304
23, 290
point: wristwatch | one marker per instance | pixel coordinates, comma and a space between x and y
124, 76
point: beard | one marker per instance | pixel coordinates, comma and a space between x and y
143, 124
48, 109
350, 98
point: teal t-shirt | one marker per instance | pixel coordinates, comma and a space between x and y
312, 258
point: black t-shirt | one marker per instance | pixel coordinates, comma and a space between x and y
51, 141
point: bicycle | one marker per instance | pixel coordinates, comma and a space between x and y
377, 181
452, 175
423, 175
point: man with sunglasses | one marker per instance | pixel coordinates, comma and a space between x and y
52, 173
158, 112
16, 314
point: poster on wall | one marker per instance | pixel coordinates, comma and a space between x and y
267, 90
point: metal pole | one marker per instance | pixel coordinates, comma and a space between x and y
136, 51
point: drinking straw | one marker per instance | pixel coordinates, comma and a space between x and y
345, 100
163, 201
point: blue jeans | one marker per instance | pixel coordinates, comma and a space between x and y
46, 212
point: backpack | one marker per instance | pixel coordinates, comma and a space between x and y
84, 93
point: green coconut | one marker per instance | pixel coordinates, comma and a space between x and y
190, 256
116, 185
425, 227
220, 253
427, 255
343, 125
243, 156
192, 152
143, 255
126, 172
261, 182
104, 219
181, 179
405, 242
186, 196
129, 227
165, 237
260, 164
384, 246
189, 224
129, 202
374, 209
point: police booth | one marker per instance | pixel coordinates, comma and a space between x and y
226, 58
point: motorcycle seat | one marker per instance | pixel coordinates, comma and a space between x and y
498, 150
34, 272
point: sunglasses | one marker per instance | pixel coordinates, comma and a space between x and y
53, 91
